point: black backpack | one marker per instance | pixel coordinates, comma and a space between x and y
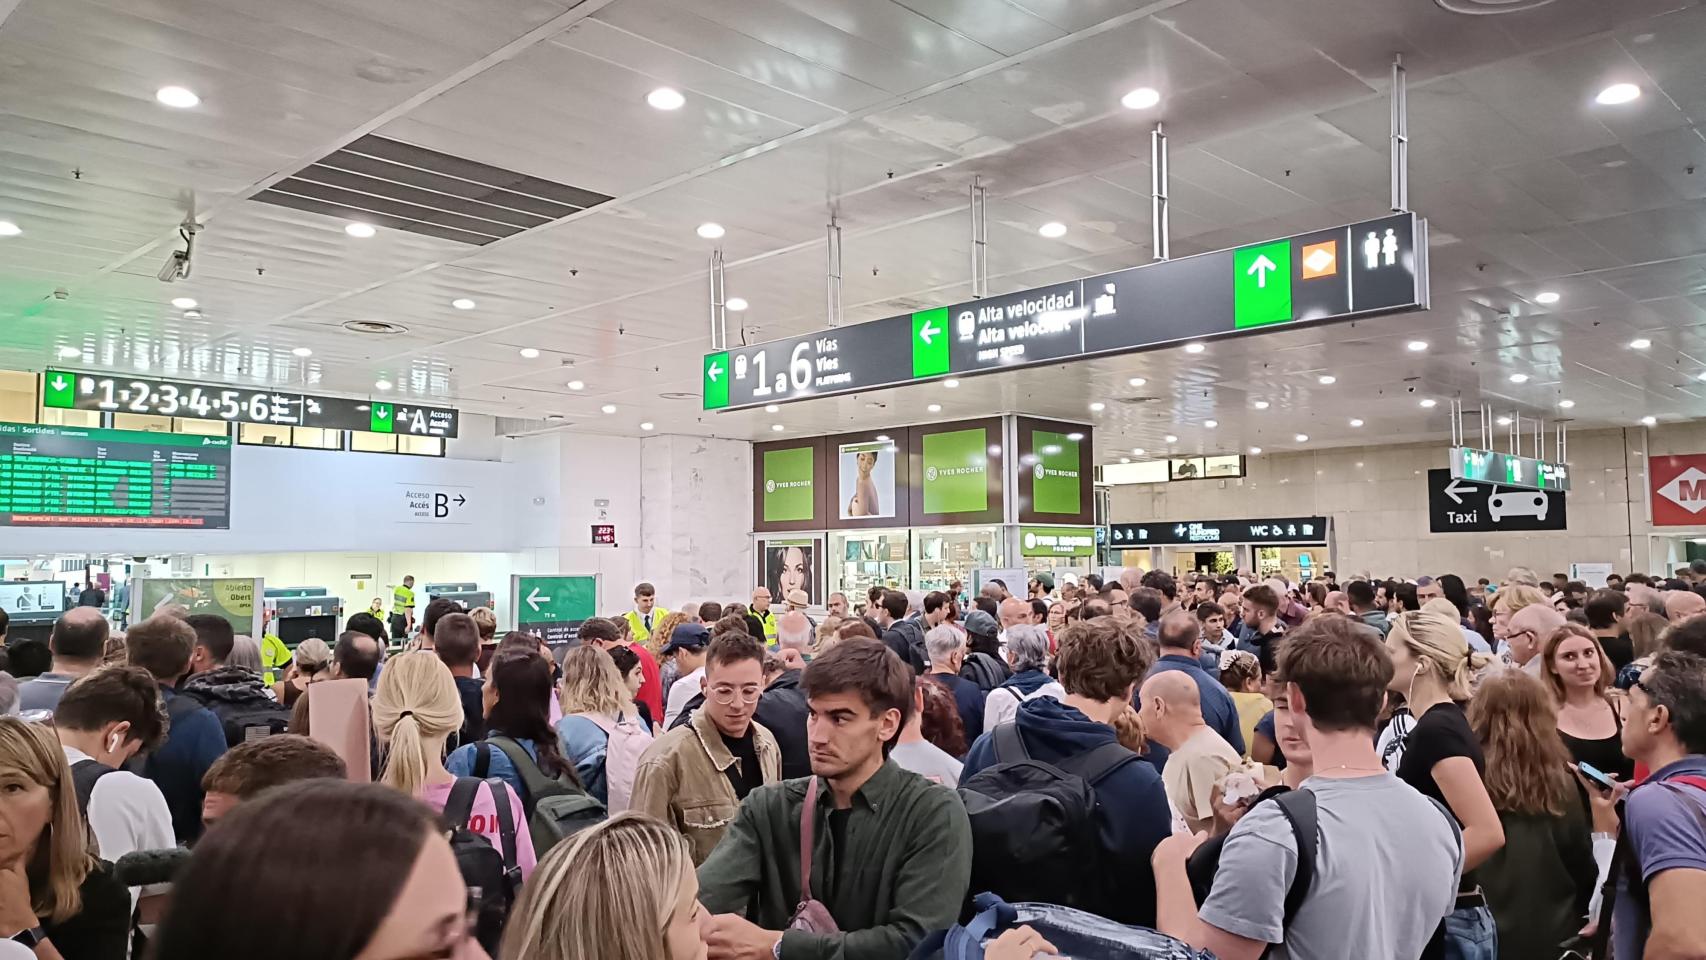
985, 671
84, 775
1034, 827
251, 721
1299, 809
557, 807
493, 876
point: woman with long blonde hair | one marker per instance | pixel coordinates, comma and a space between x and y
53, 889
415, 711
1540, 882
570, 911
601, 733
1431, 663
1590, 717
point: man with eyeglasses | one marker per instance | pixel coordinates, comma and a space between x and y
1526, 636
695, 776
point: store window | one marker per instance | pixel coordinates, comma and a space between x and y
862, 559
155, 424
364, 442
306, 438
69, 418
421, 446
946, 554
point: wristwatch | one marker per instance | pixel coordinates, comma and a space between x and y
31, 937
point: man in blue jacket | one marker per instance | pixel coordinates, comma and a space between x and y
1100, 663
1180, 639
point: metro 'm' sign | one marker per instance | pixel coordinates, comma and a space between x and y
1678, 485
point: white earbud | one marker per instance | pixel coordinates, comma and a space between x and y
112, 743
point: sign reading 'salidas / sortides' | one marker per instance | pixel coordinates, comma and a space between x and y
1377, 266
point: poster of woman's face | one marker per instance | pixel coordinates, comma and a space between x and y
790, 568
867, 479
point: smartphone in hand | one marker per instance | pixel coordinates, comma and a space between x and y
1599, 779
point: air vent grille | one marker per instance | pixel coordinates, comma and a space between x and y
400, 186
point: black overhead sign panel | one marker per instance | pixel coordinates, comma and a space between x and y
1373, 267
1177, 533
1456, 505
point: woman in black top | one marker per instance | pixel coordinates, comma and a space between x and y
55, 896
1579, 674
1431, 664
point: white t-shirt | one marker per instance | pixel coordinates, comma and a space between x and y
128, 813
681, 691
928, 761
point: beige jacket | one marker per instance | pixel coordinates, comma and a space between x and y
681, 780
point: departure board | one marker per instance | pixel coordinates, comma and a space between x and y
52, 476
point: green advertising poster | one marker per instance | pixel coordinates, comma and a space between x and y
956, 472
789, 490
1055, 479
231, 598
1057, 541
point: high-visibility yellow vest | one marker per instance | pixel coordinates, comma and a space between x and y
637, 623
404, 597
768, 619
275, 656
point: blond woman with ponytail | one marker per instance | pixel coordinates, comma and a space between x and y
1432, 663
415, 712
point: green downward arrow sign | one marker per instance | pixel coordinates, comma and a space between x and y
379, 418
59, 389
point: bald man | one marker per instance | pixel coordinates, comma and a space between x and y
1337, 602
1014, 612
78, 640
1526, 636
1683, 605
1199, 759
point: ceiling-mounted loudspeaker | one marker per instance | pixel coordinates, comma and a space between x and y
1487, 8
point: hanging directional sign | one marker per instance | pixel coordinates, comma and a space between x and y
1508, 470
1378, 266
1456, 505
212, 401
1174, 533
553, 606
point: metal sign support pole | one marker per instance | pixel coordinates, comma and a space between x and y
1160, 228
979, 239
833, 284
1400, 137
719, 316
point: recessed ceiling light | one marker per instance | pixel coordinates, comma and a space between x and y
777, 427
1261, 404
1137, 451
736, 304
1519, 378
554, 417
382, 385
9, 229
950, 384
1618, 93
192, 314
608, 408
1255, 450
1566, 404
178, 97
1356, 422
1303, 438
529, 353
1137, 381
882, 438
1503, 421
1098, 406
360, 230
1170, 438
710, 231
68, 353
184, 303
1640, 343
934, 408
577, 385
1053, 229
302, 352
1429, 402
1211, 424
463, 303
1326, 380
1194, 348
666, 98
647, 426
771, 408
1547, 296
1141, 99
1649, 421
1416, 346
1075, 436
1125, 459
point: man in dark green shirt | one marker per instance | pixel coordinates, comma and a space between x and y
891, 851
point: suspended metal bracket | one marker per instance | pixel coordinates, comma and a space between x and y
1400, 136
832, 286
1160, 229
979, 239
719, 312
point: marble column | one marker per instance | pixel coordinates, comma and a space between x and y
696, 518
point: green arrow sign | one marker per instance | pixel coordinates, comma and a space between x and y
59, 389
554, 606
379, 418
930, 333
716, 384
1261, 277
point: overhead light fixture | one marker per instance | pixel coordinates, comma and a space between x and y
463, 303
1170, 438
1649, 421
1137, 381
302, 352
1547, 296
1255, 450
737, 304
9, 229
1125, 459
1053, 230
666, 98
1416, 346
192, 314
382, 385
771, 408
647, 426
1261, 404
184, 303
1356, 422
1211, 424
1503, 421
1566, 404
951, 384
1141, 99
577, 385
1640, 343
1519, 378
1303, 438
608, 408
934, 408
710, 231
1137, 451
1429, 402
1098, 406
360, 230
1326, 380
69, 353
778, 428
179, 97
529, 353
882, 438
1194, 348
1075, 436
1618, 93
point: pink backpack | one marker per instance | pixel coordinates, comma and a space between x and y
627, 740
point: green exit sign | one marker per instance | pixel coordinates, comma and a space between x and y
380, 418
59, 389
715, 386
1261, 277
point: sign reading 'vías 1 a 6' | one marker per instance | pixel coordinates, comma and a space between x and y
1373, 267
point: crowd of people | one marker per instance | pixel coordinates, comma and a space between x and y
1374, 768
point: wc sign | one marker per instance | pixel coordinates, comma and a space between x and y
1678, 485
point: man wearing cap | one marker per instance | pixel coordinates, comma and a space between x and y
687, 642
984, 665
798, 601
1042, 588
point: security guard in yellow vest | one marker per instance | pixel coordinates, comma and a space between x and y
767, 617
403, 602
275, 656
646, 615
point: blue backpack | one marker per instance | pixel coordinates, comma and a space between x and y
1073, 932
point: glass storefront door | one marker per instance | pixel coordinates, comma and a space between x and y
862, 559
945, 554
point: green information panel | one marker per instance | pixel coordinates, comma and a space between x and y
956, 472
789, 491
379, 419
57, 476
1057, 541
930, 342
1261, 277
232, 598
554, 606
1055, 476
715, 387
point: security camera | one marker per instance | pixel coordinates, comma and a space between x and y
177, 265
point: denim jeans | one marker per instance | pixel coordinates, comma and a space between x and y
1471, 935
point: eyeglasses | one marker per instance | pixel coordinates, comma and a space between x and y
1641, 685
727, 695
